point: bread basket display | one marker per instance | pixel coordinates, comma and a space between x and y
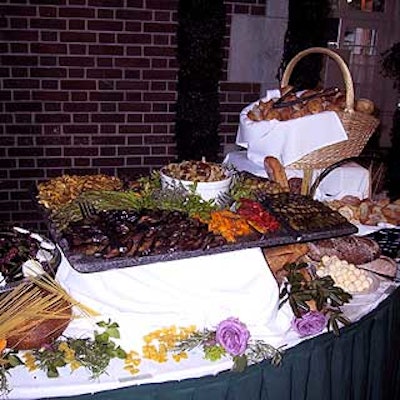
359, 126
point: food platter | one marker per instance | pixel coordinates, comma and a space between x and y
123, 238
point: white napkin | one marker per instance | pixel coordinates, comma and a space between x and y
288, 141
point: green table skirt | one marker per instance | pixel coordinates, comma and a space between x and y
363, 363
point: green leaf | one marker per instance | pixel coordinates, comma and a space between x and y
113, 332
240, 363
52, 373
14, 360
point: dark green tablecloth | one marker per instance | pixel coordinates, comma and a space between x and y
363, 363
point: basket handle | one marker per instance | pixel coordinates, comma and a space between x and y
348, 81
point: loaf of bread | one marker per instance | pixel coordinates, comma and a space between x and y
276, 172
354, 249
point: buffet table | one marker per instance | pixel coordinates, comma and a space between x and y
362, 363
241, 286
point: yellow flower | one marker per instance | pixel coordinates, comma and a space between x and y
132, 361
161, 341
180, 356
30, 361
75, 364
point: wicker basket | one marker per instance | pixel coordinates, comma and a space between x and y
358, 126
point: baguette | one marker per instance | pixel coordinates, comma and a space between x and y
276, 172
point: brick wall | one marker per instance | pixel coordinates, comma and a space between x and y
89, 86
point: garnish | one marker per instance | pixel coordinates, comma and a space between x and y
93, 354
230, 338
301, 293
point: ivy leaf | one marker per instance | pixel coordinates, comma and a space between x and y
14, 361
52, 373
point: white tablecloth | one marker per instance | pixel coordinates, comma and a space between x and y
348, 179
290, 140
201, 291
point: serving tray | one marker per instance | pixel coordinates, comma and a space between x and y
275, 204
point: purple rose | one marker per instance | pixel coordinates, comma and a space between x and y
233, 336
310, 323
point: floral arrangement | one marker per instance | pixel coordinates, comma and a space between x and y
315, 302
230, 338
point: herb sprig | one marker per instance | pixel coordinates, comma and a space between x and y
328, 298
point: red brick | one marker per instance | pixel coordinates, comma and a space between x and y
104, 61
132, 74
108, 151
25, 152
48, 11
78, 49
79, 37
52, 152
134, 97
104, 49
54, 162
133, 150
162, 16
107, 162
22, 130
21, 83
53, 141
18, 23
108, 118
108, 140
26, 163
25, 141
108, 129
19, 72
104, 13
23, 107
76, 61
81, 140
132, 62
52, 118
132, 107
82, 162
159, 107
48, 84
162, 4
108, 107
106, 3
77, 25
19, 60
80, 118
140, 129
104, 25
49, 95
49, 36
107, 38
161, 39
134, 38
79, 107
18, 10
161, 27
74, 73
104, 73
78, 85
79, 96
159, 75
159, 63
135, 118
46, 48
132, 85
84, 129
25, 36
157, 139
76, 12
136, 15
133, 26
47, 61
158, 51
48, 23
105, 96
48, 72
135, 3
81, 151
134, 51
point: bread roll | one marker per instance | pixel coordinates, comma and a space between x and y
276, 172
